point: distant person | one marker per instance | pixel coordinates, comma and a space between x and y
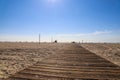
55, 41
73, 42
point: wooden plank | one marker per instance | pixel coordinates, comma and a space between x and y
72, 63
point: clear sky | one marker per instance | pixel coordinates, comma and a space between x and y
64, 20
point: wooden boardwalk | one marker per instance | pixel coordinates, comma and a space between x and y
72, 63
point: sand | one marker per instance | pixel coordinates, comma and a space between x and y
17, 56
109, 51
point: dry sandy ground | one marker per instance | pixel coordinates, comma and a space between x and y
17, 56
109, 51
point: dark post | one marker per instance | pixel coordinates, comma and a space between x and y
39, 38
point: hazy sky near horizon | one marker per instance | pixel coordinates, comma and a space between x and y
64, 20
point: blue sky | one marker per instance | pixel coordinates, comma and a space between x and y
64, 20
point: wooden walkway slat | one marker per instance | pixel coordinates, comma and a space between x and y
72, 63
